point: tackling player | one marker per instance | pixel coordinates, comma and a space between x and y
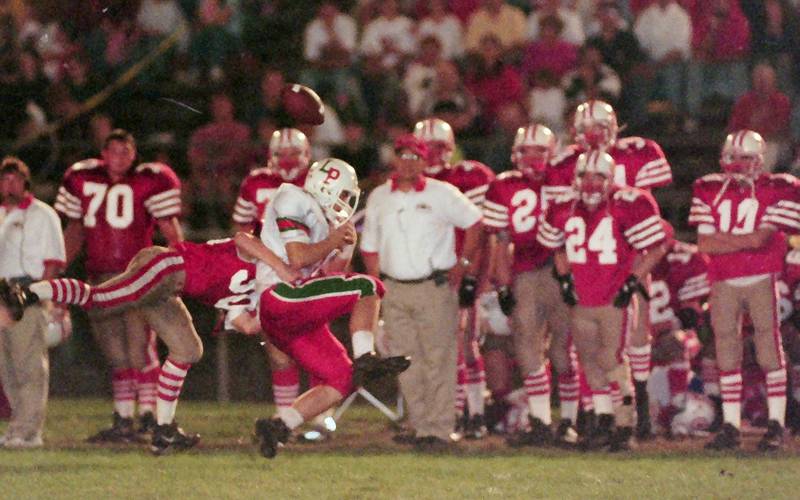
598, 233
112, 209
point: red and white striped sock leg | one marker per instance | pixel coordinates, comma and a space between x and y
537, 387
709, 373
170, 383
731, 389
461, 388
63, 291
569, 395
123, 386
640, 362
285, 388
776, 395
476, 387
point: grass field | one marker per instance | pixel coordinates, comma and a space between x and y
362, 462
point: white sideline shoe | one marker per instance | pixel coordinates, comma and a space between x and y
19, 443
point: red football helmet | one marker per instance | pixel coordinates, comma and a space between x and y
595, 125
743, 155
532, 149
289, 153
438, 136
594, 177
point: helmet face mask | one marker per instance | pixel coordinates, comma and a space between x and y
593, 177
532, 149
438, 136
334, 185
595, 125
290, 153
743, 155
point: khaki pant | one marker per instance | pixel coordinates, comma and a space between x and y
539, 311
600, 336
421, 321
25, 370
759, 300
122, 329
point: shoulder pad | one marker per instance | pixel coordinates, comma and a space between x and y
86, 165
710, 179
151, 167
627, 194
783, 178
633, 142
567, 153
793, 257
509, 175
260, 171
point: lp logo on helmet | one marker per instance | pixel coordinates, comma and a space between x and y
331, 173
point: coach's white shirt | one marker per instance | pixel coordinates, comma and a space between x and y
413, 232
30, 236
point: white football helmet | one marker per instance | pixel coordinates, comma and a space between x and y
696, 417
289, 153
532, 149
334, 184
601, 164
595, 125
438, 136
743, 154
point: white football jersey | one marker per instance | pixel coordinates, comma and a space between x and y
293, 215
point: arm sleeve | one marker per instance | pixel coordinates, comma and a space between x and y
165, 199
291, 218
52, 238
245, 211
700, 214
642, 224
68, 200
370, 234
656, 170
784, 213
696, 284
549, 233
495, 214
458, 209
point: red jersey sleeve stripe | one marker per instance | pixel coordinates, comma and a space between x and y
286, 224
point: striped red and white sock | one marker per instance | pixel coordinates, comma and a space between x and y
776, 395
587, 398
147, 390
731, 388
63, 291
170, 383
537, 388
285, 387
678, 380
476, 387
709, 373
123, 386
569, 395
461, 387
640, 362
603, 404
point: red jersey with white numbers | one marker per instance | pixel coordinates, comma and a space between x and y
680, 277
789, 286
118, 216
722, 204
215, 273
257, 189
601, 244
514, 205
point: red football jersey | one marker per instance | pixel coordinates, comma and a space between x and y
789, 286
118, 217
215, 274
680, 277
255, 192
514, 205
560, 174
720, 204
601, 245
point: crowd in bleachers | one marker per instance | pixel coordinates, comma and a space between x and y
208, 100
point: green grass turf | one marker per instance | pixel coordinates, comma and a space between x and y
362, 462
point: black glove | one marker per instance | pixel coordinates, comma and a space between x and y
567, 286
630, 287
369, 366
467, 291
689, 318
506, 299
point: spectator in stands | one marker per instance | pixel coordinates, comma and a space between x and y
795, 130
389, 38
504, 22
493, 82
160, 18
547, 102
664, 30
549, 52
420, 78
450, 100
776, 38
445, 27
329, 46
100, 127
573, 27
218, 154
766, 110
357, 151
24, 96
621, 51
592, 80
720, 46
494, 153
212, 42
81, 83
463, 9
268, 106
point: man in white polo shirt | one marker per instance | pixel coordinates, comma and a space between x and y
409, 240
31, 248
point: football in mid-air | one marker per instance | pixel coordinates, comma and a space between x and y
303, 104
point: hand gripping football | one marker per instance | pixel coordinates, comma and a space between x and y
302, 104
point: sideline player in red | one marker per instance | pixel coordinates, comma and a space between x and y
740, 215
219, 274
527, 291
471, 178
599, 232
113, 209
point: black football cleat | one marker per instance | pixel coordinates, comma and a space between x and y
566, 435
621, 440
475, 427
369, 366
168, 438
121, 431
147, 423
13, 297
601, 436
539, 434
773, 439
271, 434
644, 430
726, 439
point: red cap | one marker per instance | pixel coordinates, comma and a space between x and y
413, 144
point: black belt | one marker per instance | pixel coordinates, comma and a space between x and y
439, 276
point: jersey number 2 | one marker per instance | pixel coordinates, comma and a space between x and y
524, 202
